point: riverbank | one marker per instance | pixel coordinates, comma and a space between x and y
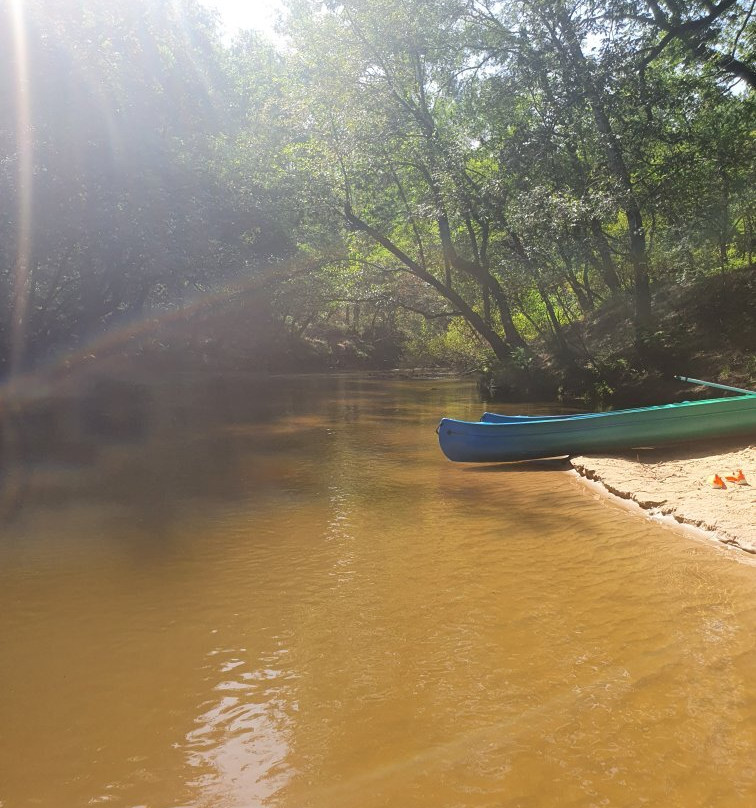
676, 482
704, 329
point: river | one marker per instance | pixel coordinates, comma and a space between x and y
223, 593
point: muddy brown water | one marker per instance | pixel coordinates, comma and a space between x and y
221, 593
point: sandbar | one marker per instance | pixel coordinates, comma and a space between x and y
675, 482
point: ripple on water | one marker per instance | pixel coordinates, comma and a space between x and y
330, 614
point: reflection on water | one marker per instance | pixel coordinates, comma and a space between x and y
241, 739
219, 592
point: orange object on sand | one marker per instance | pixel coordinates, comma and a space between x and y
717, 482
737, 477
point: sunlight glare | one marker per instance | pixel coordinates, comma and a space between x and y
238, 15
24, 185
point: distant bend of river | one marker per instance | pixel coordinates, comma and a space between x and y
226, 593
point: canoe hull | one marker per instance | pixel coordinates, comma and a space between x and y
532, 438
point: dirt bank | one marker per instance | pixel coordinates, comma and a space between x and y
675, 481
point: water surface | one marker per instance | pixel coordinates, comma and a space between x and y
218, 592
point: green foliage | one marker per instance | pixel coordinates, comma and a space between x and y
458, 180
455, 346
537, 157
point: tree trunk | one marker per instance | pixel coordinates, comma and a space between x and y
605, 264
618, 168
484, 277
500, 348
553, 319
582, 295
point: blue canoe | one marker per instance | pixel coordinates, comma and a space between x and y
503, 438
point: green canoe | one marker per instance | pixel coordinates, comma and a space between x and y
506, 438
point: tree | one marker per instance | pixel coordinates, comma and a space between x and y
117, 172
719, 34
392, 153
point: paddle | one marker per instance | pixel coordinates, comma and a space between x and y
718, 386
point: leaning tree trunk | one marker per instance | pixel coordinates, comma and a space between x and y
501, 349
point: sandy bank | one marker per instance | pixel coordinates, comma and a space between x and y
674, 481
